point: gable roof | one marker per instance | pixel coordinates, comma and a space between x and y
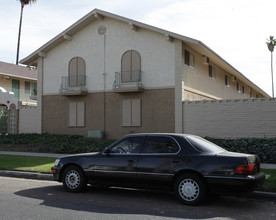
8, 69
99, 14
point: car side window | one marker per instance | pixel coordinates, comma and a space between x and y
160, 145
129, 145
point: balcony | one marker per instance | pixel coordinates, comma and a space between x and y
128, 81
73, 85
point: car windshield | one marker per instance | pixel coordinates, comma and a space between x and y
203, 145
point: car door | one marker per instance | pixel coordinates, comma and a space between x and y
117, 164
157, 160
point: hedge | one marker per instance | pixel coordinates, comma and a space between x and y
53, 143
265, 148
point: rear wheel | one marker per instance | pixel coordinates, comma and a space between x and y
73, 179
190, 189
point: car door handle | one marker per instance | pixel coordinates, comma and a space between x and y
176, 161
131, 161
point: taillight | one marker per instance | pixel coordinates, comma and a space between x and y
245, 169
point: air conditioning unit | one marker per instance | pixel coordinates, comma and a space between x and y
205, 60
233, 78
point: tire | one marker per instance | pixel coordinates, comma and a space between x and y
190, 189
73, 179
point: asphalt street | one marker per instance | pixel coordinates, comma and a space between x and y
36, 199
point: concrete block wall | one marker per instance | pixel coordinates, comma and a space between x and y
230, 118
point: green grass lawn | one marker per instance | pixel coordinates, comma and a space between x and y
270, 183
26, 163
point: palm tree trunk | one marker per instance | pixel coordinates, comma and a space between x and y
272, 75
19, 34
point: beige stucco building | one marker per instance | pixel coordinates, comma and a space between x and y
19, 81
110, 75
17, 88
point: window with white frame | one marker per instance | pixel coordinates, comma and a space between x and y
226, 81
27, 87
243, 90
211, 71
238, 87
76, 114
189, 59
131, 112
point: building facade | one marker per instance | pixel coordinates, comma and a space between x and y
108, 76
17, 88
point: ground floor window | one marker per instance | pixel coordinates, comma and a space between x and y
131, 112
76, 114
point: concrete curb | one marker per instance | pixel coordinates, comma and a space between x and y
26, 175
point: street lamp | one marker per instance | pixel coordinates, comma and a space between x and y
270, 45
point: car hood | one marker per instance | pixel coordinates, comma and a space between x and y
80, 155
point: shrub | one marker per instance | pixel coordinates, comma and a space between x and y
56, 143
265, 148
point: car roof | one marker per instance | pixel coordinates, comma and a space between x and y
159, 134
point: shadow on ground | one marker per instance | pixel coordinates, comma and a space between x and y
140, 202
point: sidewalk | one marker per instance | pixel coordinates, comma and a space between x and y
32, 154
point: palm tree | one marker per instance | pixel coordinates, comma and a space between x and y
271, 42
23, 3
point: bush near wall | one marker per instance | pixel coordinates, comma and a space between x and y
265, 148
52, 143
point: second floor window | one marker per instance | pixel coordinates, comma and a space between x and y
130, 66
189, 59
226, 80
76, 72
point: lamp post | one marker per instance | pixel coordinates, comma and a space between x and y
270, 45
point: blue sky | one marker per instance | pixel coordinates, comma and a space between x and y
235, 29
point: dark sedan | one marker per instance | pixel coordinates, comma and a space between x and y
189, 165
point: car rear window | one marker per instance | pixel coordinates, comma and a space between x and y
202, 145
160, 145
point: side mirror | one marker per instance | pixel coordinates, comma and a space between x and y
106, 151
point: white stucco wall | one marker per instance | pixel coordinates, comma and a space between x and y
7, 98
157, 56
29, 120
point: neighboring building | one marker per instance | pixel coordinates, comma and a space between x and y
17, 88
20, 81
110, 74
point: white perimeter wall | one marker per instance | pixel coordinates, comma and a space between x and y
29, 120
230, 118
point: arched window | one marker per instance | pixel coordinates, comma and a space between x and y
76, 72
131, 66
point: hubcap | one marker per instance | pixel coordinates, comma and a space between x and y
72, 179
188, 189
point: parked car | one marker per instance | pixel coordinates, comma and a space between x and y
189, 165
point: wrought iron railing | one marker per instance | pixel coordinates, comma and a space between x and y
68, 82
128, 78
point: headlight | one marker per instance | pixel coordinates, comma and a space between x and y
57, 162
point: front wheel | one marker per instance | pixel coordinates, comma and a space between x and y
190, 189
73, 179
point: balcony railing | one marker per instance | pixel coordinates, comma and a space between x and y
128, 81
73, 85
